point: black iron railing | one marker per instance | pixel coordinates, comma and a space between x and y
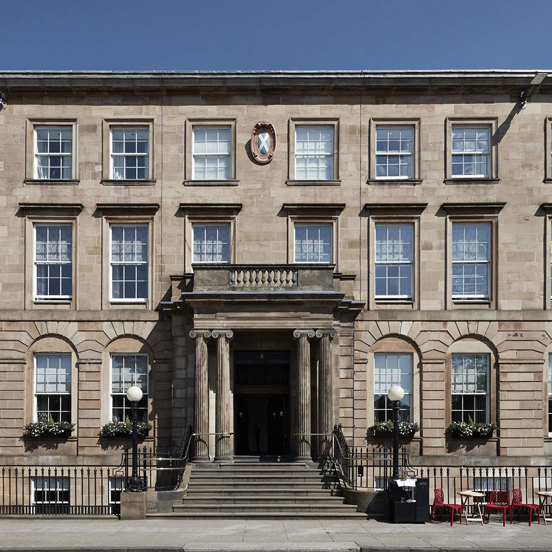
88, 491
161, 469
453, 479
359, 467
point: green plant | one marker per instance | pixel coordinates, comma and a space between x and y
385, 429
471, 429
124, 429
48, 429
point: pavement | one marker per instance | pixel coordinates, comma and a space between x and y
112, 535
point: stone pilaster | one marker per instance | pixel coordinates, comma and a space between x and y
89, 404
325, 385
201, 409
303, 394
224, 439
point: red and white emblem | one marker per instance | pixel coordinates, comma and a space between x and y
263, 142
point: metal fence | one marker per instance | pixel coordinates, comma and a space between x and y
88, 491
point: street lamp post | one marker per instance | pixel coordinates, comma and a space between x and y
395, 395
134, 395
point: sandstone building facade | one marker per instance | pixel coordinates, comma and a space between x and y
265, 281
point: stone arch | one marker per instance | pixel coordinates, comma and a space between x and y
367, 336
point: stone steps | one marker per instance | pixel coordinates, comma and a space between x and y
261, 499
253, 489
268, 506
257, 515
260, 490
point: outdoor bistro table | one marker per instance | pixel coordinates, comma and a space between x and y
476, 497
544, 496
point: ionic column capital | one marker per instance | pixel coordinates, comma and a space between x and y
205, 334
309, 334
326, 332
228, 334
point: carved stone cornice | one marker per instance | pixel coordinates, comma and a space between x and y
309, 334
330, 332
205, 334
228, 334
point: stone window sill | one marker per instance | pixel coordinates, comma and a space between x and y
49, 182
472, 180
313, 182
471, 301
111, 182
394, 181
231, 182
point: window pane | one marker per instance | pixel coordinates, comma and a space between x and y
313, 243
392, 369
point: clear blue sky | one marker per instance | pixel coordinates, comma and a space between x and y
275, 34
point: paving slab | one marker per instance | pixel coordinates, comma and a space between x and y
72, 535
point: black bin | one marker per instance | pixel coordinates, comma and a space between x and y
409, 504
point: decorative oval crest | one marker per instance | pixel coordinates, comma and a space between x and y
263, 142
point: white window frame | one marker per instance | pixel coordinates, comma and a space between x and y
218, 225
70, 384
487, 262
37, 154
487, 154
410, 394
61, 263
331, 156
487, 392
123, 394
400, 154
57, 490
411, 263
228, 128
115, 481
112, 154
123, 263
309, 224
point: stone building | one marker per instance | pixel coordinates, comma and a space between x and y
266, 253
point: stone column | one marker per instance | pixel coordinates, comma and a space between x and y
223, 420
201, 409
303, 394
325, 385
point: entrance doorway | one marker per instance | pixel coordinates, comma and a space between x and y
261, 402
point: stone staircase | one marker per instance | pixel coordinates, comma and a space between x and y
261, 490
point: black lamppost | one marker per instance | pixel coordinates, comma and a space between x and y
395, 395
134, 395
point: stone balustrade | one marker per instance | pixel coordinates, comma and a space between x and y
269, 277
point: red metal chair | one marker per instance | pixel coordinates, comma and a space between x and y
439, 502
517, 502
499, 500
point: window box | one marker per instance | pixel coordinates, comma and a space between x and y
466, 430
385, 429
124, 429
60, 430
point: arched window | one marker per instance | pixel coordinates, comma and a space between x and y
394, 360
51, 384
471, 382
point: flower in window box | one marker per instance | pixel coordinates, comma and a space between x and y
385, 429
124, 429
471, 430
48, 429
